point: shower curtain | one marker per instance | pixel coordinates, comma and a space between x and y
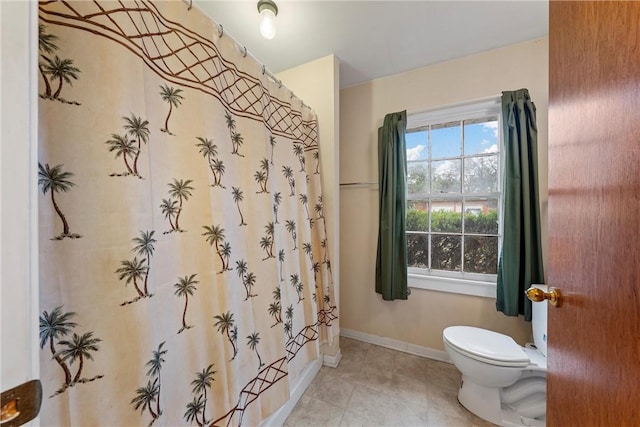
184, 269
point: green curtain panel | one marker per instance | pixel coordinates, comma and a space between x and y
391, 262
520, 263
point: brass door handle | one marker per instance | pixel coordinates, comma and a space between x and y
21, 404
9, 411
537, 295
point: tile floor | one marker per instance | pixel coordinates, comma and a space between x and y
376, 386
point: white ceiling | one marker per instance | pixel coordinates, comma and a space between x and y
373, 39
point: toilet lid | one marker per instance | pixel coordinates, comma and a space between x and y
487, 345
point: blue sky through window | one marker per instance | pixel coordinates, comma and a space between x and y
479, 138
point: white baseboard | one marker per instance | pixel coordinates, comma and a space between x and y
332, 361
418, 350
304, 380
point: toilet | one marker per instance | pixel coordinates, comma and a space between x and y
502, 382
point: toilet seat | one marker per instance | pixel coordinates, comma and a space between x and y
486, 346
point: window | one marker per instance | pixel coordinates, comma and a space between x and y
454, 198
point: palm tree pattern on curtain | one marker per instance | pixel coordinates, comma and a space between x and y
54, 69
214, 235
275, 308
238, 196
210, 152
136, 271
262, 176
148, 396
171, 96
226, 326
54, 180
56, 325
252, 341
186, 286
215, 175
144, 246
198, 406
277, 198
267, 241
129, 149
179, 192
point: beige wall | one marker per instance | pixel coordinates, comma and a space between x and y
421, 319
19, 355
317, 83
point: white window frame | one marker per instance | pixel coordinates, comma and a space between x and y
483, 285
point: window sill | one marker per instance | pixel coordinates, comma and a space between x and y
452, 285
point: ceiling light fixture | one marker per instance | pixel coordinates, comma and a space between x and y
268, 12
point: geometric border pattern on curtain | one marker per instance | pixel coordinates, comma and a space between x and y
185, 58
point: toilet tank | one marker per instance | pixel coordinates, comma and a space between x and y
539, 322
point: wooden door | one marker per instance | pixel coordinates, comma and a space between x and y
594, 213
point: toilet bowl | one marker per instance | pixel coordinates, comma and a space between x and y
502, 382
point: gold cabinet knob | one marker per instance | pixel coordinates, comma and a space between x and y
537, 295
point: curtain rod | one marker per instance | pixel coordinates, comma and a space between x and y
456, 104
358, 183
244, 52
